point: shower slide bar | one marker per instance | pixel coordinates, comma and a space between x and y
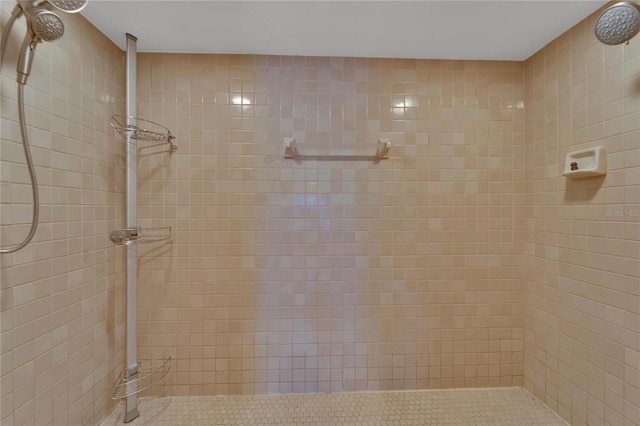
290, 148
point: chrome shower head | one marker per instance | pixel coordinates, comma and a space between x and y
42, 25
47, 26
618, 24
68, 6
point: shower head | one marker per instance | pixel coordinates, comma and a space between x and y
618, 24
42, 25
68, 6
47, 26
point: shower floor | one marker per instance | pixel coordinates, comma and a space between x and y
491, 406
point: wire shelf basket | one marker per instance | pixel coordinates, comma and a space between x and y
140, 235
154, 235
143, 378
152, 133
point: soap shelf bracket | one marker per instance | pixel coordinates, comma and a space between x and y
384, 148
289, 146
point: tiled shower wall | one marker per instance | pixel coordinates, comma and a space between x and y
333, 271
61, 297
582, 250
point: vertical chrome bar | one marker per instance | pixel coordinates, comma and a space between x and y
132, 255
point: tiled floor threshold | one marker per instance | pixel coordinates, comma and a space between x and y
490, 406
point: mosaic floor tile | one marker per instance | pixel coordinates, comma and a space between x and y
491, 406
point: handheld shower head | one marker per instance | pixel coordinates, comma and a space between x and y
618, 24
47, 25
42, 25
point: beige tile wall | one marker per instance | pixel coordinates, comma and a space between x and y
582, 250
61, 300
333, 272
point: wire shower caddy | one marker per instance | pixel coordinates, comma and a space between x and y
144, 377
152, 133
138, 375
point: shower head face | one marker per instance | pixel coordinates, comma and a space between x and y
68, 6
618, 23
47, 25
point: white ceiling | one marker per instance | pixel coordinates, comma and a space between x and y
446, 29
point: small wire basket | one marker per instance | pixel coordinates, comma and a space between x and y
145, 376
137, 234
144, 130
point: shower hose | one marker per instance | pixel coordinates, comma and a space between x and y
25, 145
